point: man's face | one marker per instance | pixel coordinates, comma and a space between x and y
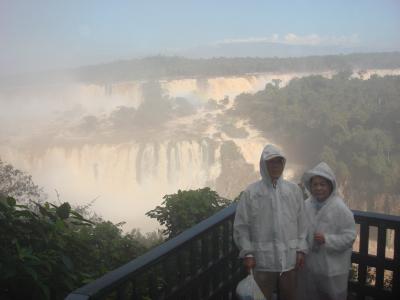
275, 167
320, 188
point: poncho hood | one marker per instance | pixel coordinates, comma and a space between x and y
323, 170
269, 152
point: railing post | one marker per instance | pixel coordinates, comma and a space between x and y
225, 251
122, 293
380, 255
362, 266
166, 269
396, 259
194, 264
152, 285
136, 293
215, 257
204, 264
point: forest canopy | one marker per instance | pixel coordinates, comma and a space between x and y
170, 67
352, 124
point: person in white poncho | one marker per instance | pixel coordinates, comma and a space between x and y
330, 235
269, 227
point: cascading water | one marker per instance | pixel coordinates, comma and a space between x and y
97, 142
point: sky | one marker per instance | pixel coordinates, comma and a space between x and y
51, 34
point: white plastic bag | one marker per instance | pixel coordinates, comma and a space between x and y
248, 289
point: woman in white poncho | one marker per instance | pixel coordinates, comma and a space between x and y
330, 236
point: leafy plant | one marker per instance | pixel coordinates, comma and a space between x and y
186, 208
53, 250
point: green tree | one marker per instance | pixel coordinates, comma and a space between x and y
40, 251
184, 209
53, 250
50, 250
17, 184
350, 123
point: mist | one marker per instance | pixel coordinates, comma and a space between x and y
123, 103
126, 144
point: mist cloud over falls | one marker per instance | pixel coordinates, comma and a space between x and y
129, 144
127, 123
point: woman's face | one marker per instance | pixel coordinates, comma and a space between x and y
320, 188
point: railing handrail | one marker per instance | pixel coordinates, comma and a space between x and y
113, 278
376, 216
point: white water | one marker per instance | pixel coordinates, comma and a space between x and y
128, 179
128, 176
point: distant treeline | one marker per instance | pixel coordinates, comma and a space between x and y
177, 67
350, 123
161, 67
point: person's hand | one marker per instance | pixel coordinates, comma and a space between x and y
319, 238
249, 263
300, 260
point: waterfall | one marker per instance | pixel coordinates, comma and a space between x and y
127, 179
67, 138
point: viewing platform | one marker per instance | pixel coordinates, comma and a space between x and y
202, 263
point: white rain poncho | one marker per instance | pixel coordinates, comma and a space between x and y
327, 266
269, 221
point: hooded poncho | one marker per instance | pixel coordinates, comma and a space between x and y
269, 221
327, 265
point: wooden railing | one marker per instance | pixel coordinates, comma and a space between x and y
376, 257
202, 263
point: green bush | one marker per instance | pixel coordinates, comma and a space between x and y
47, 252
185, 209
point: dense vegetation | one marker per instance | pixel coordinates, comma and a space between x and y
185, 209
350, 123
54, 250
50, 250
166, 67
161, 67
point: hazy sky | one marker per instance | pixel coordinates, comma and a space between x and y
37, 35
